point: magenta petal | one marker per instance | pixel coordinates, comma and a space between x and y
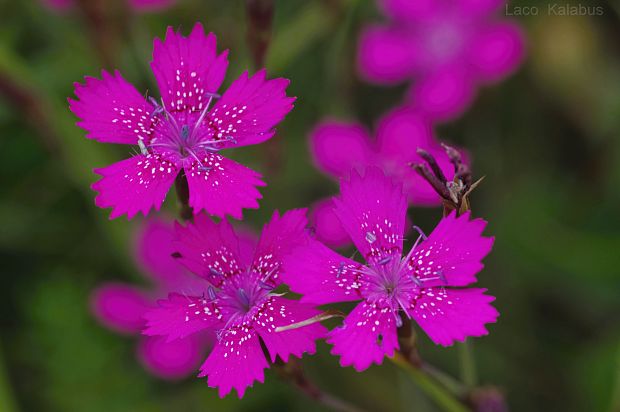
279, 237
187, 69
452, 255
171, 360
250, 109
386, 55
247, 244
367, 335
278, 312
154, 254
372, 210
497, 51
338, 147
445, 94
449, 315
151, 5
135, 185
401, 132
180, 316
235, 362
221, 186
209, 249
111, 110
120, 307
321, 275
327, 226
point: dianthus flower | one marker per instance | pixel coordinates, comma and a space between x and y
183, 134
426, 284
121, 307
446, 47
237, 301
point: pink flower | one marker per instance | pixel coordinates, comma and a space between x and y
137, 5
121, 307
184, 133
338, 147
237, 301
447, 47
427, 284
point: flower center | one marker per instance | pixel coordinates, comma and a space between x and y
444, 40
182, 133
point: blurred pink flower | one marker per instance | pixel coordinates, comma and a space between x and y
447, 48
182, 134
121, 307
426, 284
137, 5
237, 300
338, 147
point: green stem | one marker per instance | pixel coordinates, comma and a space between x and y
451, 384
468, 365
430, 386
182, 188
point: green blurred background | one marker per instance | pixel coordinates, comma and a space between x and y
547, 139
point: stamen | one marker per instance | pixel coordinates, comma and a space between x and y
204, 111
264, 285
211, 293
243, 297
420, 232
385, 260
185, 132
158, 108
271, 272
215, 272
405, 260
340, 269
142, 147
191, 152
370, 237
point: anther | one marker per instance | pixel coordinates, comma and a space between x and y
370, 237
215, 272
340, 269
184, 132
211, 293
158, 110
243, 297
385, 260
420, 232
441, 276
399, 320
142, 147
264, 285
